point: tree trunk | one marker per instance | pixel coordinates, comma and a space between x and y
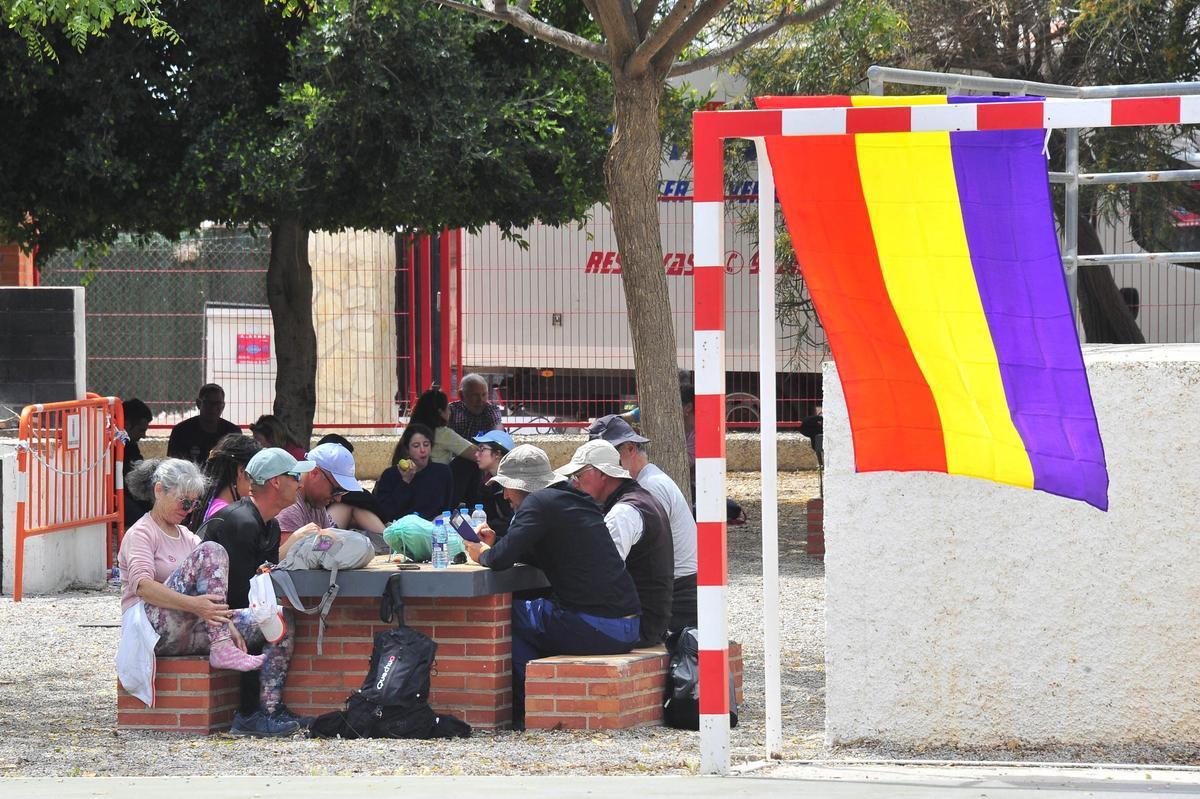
290, 294
631, 172
1105, 315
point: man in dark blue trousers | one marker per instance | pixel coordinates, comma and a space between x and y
594, 609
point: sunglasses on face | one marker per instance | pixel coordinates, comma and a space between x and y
293, 475
335, 490
189, 504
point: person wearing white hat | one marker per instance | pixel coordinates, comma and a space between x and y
632, 449
638, 526
331, 479
559, 529
249, 532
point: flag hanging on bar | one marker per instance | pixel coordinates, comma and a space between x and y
933, 262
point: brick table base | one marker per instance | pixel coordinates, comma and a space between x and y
472, 676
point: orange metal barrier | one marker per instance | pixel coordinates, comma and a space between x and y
69, 457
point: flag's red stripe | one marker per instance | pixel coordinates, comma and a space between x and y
893, 418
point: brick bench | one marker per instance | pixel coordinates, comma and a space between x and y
189, 696
604, 692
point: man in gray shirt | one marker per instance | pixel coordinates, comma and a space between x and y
635, 459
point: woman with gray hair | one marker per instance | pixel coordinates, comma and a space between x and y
180, 581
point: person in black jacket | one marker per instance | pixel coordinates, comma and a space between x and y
639, 528
594, 610
249, 533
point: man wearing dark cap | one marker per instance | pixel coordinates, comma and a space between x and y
638, 527
594, 610
634, 458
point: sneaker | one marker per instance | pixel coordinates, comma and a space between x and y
261, 725
284, 713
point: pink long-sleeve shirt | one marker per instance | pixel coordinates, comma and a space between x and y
147, 553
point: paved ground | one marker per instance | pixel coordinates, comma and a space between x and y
785, 780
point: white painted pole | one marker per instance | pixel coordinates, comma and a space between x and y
768, 446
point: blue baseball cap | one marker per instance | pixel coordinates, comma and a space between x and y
497, 437
272, 462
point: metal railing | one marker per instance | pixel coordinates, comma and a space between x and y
69, 459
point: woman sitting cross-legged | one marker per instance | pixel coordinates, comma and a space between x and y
181, 583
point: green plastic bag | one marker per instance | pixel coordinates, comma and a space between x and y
412, 537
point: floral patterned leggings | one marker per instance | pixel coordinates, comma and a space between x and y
205, 571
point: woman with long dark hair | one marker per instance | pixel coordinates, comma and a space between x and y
433, 411
225, 470
414, 483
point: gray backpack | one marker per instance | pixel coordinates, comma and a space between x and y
350, 550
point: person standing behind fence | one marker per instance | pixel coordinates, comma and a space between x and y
137, 420
193, 438
226, 473
180, 585
632, 449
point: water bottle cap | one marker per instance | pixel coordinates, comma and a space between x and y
437, 522
478, 506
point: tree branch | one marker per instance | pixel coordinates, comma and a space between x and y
645, 16
752, 38
502, 12
659, 36
689, 30
617, 22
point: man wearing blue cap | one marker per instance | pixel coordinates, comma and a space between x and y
248, 531
493, 446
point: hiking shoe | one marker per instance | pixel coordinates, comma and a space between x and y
260, 724
284, 713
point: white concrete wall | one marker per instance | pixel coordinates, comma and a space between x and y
55, 561
965, 612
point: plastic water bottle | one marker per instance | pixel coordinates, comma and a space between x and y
478, 517
441, 556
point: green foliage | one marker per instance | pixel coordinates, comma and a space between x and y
41, 22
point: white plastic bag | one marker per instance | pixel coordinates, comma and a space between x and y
265, 609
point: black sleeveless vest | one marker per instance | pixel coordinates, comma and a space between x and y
651, 561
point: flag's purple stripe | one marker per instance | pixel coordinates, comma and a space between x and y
1005, 197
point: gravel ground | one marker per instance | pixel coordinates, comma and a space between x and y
58, 693
58, 696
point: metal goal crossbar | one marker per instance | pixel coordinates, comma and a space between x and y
711, 129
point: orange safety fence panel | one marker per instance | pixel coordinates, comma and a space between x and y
69, 472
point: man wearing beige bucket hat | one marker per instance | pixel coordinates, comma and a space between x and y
560, 530
638, 526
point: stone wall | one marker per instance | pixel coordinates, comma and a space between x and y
355, 318
964, 612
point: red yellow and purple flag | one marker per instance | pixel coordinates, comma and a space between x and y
933, 263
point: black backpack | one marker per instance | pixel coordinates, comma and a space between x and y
393, 701
681, 708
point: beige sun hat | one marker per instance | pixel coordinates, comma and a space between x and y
600, 454
525, 468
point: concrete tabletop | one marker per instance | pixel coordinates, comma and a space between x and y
455, 581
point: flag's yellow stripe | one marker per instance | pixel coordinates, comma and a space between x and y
912, 199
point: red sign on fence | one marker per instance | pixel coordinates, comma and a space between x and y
253, 348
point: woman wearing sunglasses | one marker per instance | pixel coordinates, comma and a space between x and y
181, 581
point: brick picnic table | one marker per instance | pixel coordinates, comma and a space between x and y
466, 609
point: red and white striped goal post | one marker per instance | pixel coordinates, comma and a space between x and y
710, 129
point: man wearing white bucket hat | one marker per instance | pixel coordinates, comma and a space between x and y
560, 530
638, 526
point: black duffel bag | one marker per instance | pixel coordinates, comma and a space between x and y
681, 708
